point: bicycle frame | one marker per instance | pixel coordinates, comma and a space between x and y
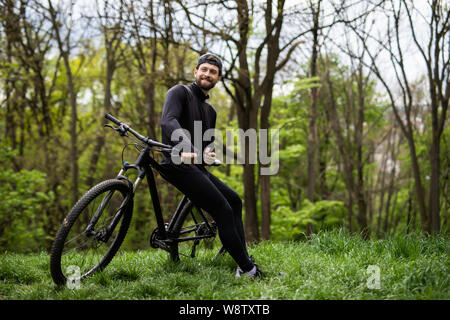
144, 165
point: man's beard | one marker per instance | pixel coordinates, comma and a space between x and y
204, 87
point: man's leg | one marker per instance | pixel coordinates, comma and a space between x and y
198, 187
236, 204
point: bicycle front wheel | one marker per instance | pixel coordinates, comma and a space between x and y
79, 250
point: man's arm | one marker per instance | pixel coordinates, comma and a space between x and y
209, 155
175, 101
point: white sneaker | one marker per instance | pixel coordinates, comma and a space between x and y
254, 273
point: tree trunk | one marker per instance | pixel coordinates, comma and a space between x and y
10, 125
420, 192
312, 135
408, 218
73, 102
251, 216
247, 118
322, 171
265, 179
434, 196
350, 211
358, 141
73, 130
149, 94
265, 207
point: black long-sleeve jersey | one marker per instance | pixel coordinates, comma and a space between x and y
183, 105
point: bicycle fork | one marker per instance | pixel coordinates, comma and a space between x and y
105, 234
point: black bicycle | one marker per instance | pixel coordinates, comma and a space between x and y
91, 234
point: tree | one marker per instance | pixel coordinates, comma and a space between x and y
313, 142
28, 42
433, 48
111, 25
65, 44
436, 56
252, 76
357, 97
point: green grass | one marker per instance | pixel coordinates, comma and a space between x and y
331, 265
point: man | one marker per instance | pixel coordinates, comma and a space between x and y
183, 106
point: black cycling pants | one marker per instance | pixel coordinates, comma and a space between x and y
222, 203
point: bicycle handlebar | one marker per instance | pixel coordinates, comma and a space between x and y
124, 128
112, 119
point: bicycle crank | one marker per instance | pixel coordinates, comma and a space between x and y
157, 243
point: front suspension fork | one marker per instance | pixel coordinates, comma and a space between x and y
106, 234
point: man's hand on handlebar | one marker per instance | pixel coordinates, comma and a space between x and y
188, 157
209, 157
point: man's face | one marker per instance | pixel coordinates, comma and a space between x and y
206, 76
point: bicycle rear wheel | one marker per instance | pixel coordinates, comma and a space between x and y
86, 252
193, 227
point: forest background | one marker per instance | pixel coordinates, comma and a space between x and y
359, 91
